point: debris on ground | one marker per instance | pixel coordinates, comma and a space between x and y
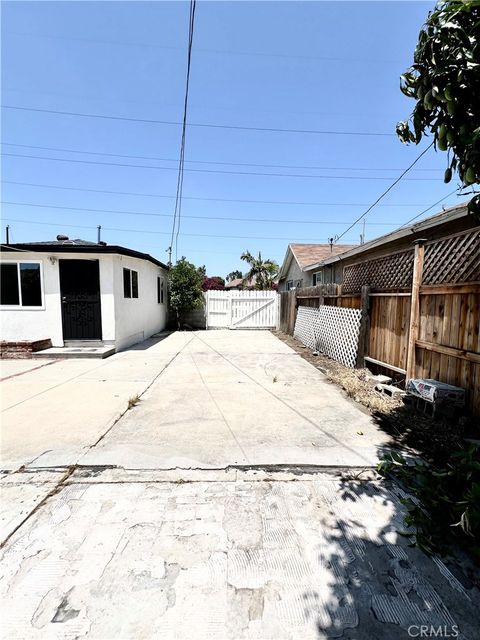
358, 383
432, 439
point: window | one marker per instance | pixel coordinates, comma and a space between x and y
160, 290
130, 283
318, 278
21, 284
134, 284
290, 285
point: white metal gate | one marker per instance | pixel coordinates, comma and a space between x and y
242, 309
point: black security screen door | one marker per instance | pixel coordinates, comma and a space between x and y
80, 292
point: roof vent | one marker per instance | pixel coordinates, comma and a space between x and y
61, 237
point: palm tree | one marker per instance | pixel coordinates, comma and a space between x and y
262, 272
234, 275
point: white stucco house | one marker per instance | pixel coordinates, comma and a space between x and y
75, 292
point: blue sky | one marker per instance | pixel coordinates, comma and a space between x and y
331, 66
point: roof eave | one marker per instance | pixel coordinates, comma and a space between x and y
71, 248
286, 262
459, 211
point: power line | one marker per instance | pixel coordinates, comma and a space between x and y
203, 50
178, 196
166, 233
218, 162
386, 191
243, 173
193, 217
199, 124
429, 208
378, 241
157, 195
172, 197
118, 229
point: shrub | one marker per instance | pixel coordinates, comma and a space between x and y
445, 503
215, 283
185, 288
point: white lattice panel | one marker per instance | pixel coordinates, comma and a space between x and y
330, 330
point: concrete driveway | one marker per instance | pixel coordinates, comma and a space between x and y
207, 400
225, 504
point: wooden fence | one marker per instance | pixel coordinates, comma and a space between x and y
420, 331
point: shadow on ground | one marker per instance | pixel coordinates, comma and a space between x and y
374, 584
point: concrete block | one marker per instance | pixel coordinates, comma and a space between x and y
389, 390
378, 379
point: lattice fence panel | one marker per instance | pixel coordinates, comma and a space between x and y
330, 330
453, 260
390, 272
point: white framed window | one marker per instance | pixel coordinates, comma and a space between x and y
290, 285
21, 284
318, 278
130, 283
160, 290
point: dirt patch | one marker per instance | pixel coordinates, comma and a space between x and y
432, 439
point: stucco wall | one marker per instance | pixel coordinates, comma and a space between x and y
138, 318
124, 321
46, 321
42, 322
295, 273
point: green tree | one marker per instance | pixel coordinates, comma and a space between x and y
234, 275
185, 288
261, 271
444, 80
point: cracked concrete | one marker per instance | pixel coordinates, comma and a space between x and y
318, 557
235, 500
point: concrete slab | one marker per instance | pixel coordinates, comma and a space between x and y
14, 367
20, 494
53, 414
226, 560
75, 352
231, 403
216, 399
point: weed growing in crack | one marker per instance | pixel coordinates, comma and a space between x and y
133, 401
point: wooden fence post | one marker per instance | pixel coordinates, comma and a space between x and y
415, 307
363, 334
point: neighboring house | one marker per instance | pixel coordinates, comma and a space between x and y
236, 283
340, 268
294, 271
240, 283
72, 291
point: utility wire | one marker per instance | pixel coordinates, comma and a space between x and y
243, 173
166, 233
371, 244
428, 209
172, 197
378, 241
218, 162
200, 124
386, 191
178, 196
193, 217
215, 51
